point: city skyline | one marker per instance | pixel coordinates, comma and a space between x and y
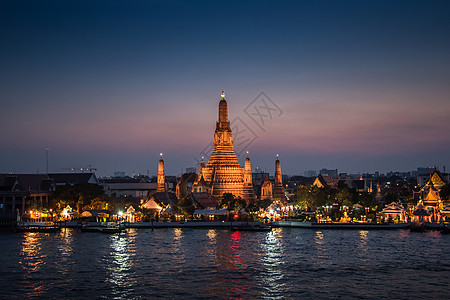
361, 87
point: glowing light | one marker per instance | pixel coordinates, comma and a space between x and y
223, 95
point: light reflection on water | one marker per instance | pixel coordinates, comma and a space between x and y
362, 245
236, 259
272, 260
120, 263
211, 264
32, 259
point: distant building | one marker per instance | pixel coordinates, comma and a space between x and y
310, 173
266, 189
119, 174
425, 170
191, 170
324, 181
331, 173
430, 193
127, 187
73, 178
23, 192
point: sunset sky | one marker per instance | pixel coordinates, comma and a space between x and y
361, 86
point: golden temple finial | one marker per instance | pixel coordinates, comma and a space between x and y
223, 95
160, 155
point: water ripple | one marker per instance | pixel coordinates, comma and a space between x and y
220, 264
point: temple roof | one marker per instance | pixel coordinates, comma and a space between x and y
203, 200
436, 179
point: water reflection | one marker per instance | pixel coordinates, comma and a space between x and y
178, 246
32, 260
318, 238
64, 245
363, 238
319, 258
272, 261
143, 264
236, 255
212, 234
120, 263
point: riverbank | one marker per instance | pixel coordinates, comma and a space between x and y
155, 225
379, 226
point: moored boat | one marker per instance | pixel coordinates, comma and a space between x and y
252, 227
417, 227
104, 227
37, 227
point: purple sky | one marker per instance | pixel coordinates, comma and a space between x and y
362, 86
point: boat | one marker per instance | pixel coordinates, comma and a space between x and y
37, 227
417, 227
103, 227
252, 227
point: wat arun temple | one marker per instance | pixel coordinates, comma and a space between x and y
223, 174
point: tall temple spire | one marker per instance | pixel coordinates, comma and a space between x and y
278, 191
248, 193
161, 184
247, 171
223, 171
223, 113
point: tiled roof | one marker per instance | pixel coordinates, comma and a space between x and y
26, 182
203, 200
165, 198
71, 178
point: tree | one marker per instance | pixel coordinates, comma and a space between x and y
231, 203
79, 196
185, 206
365, 199
262, 204
344, 196
310, 197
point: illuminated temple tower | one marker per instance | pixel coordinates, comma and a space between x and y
161, 185
222, 172
248, 193
278, 191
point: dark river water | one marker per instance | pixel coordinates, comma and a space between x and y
210, 264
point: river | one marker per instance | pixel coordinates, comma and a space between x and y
209, 264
